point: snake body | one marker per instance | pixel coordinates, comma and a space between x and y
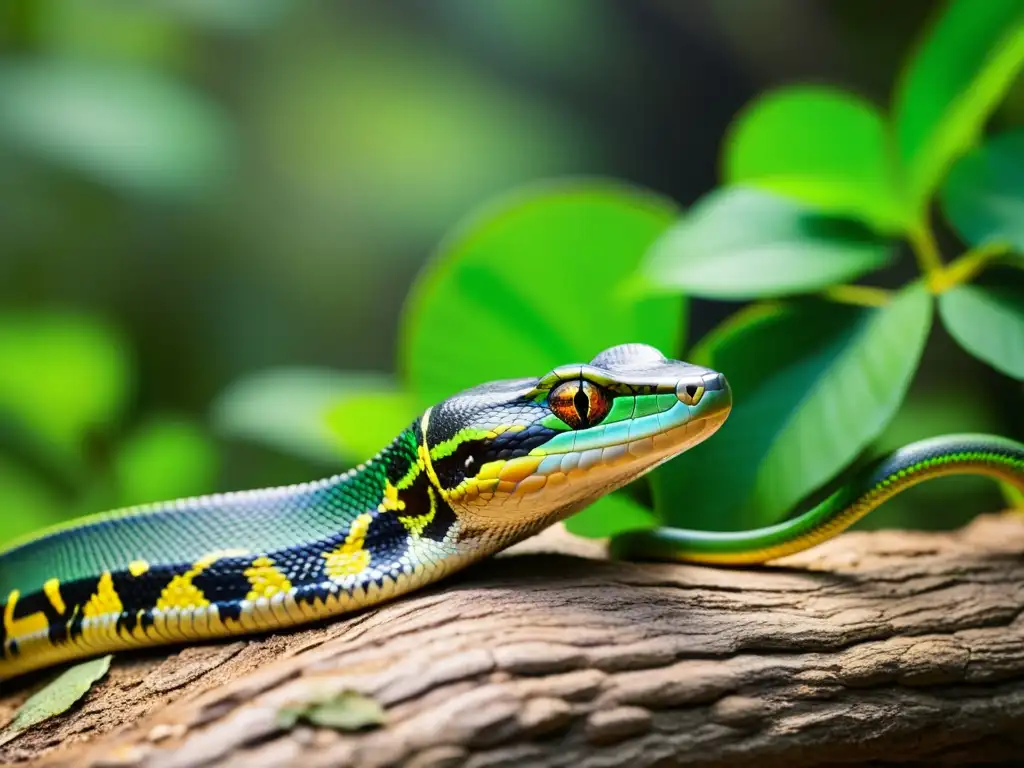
473, 475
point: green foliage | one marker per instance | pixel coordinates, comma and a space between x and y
291, 409
988, 321
62, 377
65, 387
950, 87
36, 504
365, 422
165, 458
818, 186
982, 196
821, 146
813, 384
782, 247
536, 276
124, 127
57, 697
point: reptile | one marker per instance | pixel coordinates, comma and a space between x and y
481, 470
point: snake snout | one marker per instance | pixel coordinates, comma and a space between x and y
715, 381
707, 387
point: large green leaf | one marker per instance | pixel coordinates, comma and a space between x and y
124, 127
988, 321
61, 376
289, 409
533, 282
957, 77
740, 243
165, 458
984, 193
813, 385
819, 145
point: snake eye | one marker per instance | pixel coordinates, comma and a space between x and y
579, 404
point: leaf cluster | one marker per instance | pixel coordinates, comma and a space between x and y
820, 188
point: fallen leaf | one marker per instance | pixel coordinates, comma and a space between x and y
347, 711
57, 697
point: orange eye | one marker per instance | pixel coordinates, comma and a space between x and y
579, 404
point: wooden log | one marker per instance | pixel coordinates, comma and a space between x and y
887, 647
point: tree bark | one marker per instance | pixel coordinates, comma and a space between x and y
882, 648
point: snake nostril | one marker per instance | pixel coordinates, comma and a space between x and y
714, 381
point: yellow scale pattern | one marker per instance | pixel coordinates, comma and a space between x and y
351, 557
183, 612
265, 579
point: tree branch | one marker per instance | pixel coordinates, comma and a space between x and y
891, 647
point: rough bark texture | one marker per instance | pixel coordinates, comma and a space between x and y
886, 648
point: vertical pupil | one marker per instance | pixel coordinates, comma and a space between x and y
582, 403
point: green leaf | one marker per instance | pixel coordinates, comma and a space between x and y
824, 147
741, 243
983, 197
958, 76
813, 385
287, 409
125, 127
61, 376
988, 321
166, 458
346, 711
57, 697
610, 516
533, 282
364, 423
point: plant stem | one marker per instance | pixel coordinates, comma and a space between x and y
966, 267
860, 295
926, 250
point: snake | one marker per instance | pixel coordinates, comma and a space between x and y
488, 467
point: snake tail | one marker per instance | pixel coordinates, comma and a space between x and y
979, 454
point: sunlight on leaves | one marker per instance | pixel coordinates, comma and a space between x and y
959, 74
57, 697
821, 146
739, 243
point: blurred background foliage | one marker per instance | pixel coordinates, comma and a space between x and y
217, 220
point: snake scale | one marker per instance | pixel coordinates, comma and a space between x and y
483, 469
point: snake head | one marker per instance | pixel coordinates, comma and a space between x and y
532, 449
